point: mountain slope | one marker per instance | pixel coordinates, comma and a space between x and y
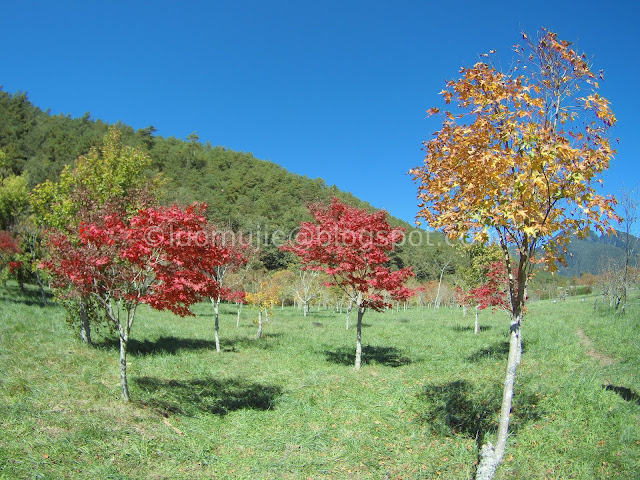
257, 197
593, 254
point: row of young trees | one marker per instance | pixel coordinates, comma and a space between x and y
110, 246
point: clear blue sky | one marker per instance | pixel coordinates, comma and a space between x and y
331, 89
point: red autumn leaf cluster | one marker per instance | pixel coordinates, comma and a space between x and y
352, 247
493, 292
161, 256
8, 244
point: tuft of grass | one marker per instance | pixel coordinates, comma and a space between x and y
291, 405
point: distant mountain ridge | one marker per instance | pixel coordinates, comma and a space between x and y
591, 254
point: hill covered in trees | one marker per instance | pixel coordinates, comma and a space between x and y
246, 194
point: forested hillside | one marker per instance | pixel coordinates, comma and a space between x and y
593, 254
244, 193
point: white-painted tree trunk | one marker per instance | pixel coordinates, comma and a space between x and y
85, 326
359, 338
477, 327
361, 311
124, 339
216, 309
490, 456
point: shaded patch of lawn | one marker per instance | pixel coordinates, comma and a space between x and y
388, 356
162, 345
208, 395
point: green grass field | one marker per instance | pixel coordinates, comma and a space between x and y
291, 406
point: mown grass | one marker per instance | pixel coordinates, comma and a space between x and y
291, 406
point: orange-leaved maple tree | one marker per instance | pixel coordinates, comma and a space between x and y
351, 246
518, 156
160, 256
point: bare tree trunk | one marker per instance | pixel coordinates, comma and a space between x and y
41, 287
436, 303
216, 310
238, 317
259, 323
359, 338
123, 330
124, 339
85, 326
490, 456
349, 308
477, 329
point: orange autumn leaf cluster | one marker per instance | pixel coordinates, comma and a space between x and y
265, 298
519, 152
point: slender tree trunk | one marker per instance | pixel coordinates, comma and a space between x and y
85, 326
259, 323
477, 329
349, 308
124, 340
41, 287
490, 456
359, 337
436, 303
216, 310
305, 309
238, 317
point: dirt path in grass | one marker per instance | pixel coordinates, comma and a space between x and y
603, 359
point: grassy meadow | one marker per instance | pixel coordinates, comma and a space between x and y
291, 406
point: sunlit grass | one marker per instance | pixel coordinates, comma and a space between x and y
290, 405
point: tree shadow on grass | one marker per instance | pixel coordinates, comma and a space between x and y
457, 408
268, 340
627, 394
30, 296
172, 345
499, 350
162, 345
207, 395
388, 356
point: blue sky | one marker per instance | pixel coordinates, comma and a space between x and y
331, 89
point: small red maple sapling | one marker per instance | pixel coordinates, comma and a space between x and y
232, 256
160, 256
351, 246
490, 293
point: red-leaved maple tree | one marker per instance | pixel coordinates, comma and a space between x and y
492, 292
351, 246
159, 256
232, 257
